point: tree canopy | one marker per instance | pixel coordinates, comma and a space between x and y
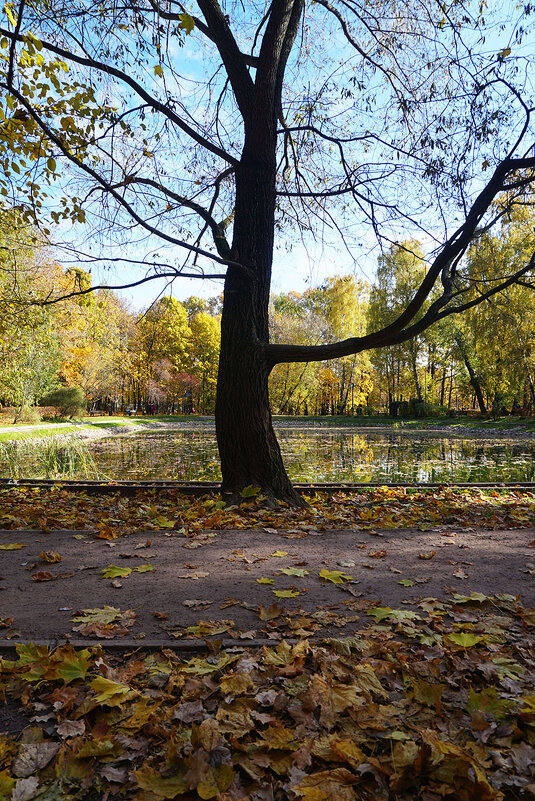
204, 134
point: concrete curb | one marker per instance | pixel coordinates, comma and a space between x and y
186, 646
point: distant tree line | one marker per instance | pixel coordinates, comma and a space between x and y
164, 359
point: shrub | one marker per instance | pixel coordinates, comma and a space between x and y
421, 408
28, 415
69, 401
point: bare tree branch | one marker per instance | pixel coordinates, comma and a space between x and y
149, 99
444, 266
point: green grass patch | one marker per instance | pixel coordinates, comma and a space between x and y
140, 419
35, 433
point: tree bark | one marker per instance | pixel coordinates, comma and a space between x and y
412, 349
476, 386
248, 448
531, 388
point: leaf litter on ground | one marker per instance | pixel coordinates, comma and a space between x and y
437, 704
428, 705
110, 515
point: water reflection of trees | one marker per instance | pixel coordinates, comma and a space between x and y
317, 456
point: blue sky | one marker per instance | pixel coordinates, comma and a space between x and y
305, 264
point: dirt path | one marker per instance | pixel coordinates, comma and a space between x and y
215, 577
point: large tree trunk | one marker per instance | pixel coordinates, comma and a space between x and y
248, 448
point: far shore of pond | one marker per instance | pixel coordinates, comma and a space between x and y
104, 426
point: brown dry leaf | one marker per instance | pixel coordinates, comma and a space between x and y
270, 612
198, 603
100, 630
43, 575
161, 615
206, 735
107, 533
25, 789
71, 728
32, 757
327, 785
50, 556
428, 555
460, 574
199, 574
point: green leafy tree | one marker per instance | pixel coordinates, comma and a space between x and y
500, 333
400, 272
203, 355
29, 348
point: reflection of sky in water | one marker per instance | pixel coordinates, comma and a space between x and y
319, 455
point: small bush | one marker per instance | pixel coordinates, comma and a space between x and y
28, 415
69, 401
421, 408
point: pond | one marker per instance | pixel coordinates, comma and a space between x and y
325, 455
311, 454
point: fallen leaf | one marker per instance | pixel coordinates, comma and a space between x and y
12, 546
50, 556
109, 692
336, 576
293, 571
428, 555
43, 575
200, 574
197, 603
460, 574
464, 639
25, 789
269, 613
71, 728
382, 612
32, 757
112, 571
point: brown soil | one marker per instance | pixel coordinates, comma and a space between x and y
464, 560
